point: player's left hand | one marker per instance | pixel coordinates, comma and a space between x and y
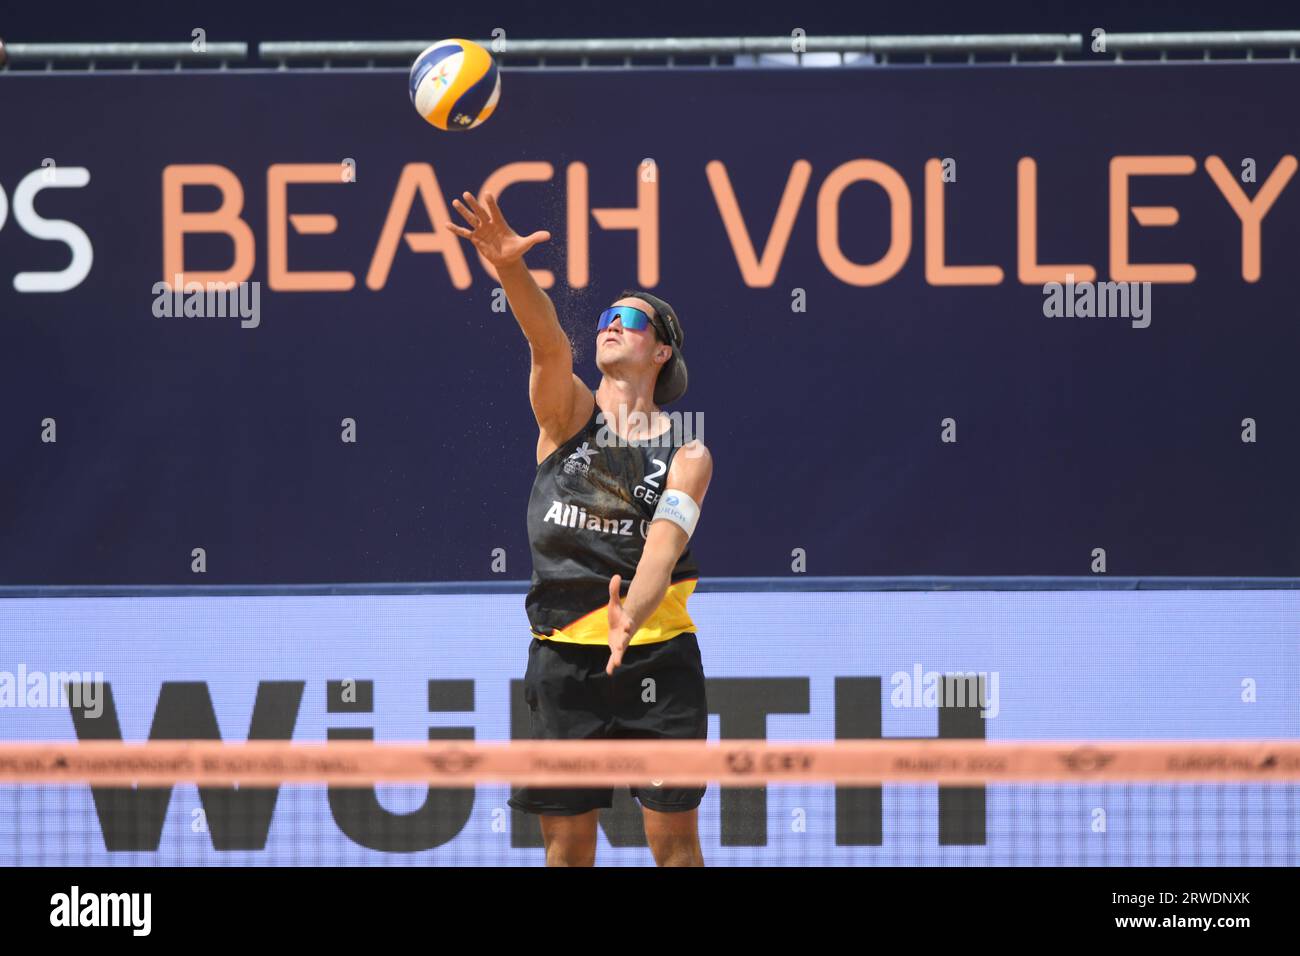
620, 626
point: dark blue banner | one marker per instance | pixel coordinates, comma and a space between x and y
983, 320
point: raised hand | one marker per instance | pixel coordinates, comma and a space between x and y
490, 233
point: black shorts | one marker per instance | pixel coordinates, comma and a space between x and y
571, 698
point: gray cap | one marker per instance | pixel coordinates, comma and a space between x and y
671, 384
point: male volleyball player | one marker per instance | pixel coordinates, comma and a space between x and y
616, 497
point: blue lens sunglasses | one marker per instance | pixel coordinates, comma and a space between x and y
634, 320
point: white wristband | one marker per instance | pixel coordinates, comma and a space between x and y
679, 508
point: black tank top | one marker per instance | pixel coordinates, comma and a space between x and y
588, 516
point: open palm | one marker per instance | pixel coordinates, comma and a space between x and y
490, 233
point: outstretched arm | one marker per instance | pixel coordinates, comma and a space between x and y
553, 389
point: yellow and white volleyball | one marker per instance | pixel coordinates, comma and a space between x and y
455, 84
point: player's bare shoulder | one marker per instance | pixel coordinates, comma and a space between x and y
692, 469
550, 438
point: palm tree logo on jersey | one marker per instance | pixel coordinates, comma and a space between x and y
579, 462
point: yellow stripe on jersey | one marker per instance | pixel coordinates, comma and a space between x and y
668, 620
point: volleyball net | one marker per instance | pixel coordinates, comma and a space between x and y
853, 728
848, 802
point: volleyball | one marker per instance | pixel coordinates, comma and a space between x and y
455, 84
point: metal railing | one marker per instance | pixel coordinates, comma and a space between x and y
673, 51
1205, 44
90, 56
795, 50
